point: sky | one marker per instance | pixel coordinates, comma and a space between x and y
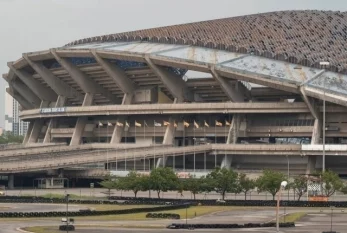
33, 25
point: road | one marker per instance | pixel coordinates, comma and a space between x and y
315, 221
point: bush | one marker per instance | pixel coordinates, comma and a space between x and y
163, 215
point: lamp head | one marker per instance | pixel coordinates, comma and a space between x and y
284, 184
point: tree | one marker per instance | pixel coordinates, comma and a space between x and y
8, 137
134, 182
344, 189
109, 182
270, 181
223, 180
163, 179
331, 183
299, 185
193, 184
245, 184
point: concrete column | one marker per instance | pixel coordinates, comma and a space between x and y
10, 184
317, 131
169, 137
81, 122
27, 135
234, 129
232, 139
226, 162
59, 103
316, 135
36, 130
119, 129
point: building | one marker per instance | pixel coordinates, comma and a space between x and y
12, 120
273, 82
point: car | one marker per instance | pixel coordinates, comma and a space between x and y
220, 201
2, 193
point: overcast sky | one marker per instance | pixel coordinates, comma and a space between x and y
32, 25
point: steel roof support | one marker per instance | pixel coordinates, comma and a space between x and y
59, 86
40, 90
172, 82
87, 84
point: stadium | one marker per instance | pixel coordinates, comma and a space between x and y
271, 93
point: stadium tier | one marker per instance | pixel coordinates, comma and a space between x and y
272, 94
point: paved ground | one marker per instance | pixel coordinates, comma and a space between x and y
98, 192
37, 207
315, 221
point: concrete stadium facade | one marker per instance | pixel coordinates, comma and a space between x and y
124, 102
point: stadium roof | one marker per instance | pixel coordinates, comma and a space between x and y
300, 37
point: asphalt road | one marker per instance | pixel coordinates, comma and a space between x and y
314, 222
36, 207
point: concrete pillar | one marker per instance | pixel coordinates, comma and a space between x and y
226, 162
311, 164
232, 139
36, 130
10, 184
317, 131
315, 139
234, 129
81, 122
27, 135
119, 129
59, 103
169, 137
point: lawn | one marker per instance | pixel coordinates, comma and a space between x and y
293, 217
192, 212
101, 207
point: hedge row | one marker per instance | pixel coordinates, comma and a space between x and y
66, 228
163, 215
227, 226
88, 213
341, 204
156, 201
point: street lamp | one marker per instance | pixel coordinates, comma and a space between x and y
283, 185
67, 211
324, 64
288, 172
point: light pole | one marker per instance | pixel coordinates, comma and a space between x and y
283, 185
67, 211
288, 172
324, 64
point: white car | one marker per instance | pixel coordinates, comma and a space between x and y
220, 201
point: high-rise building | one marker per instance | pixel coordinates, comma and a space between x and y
12, 121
